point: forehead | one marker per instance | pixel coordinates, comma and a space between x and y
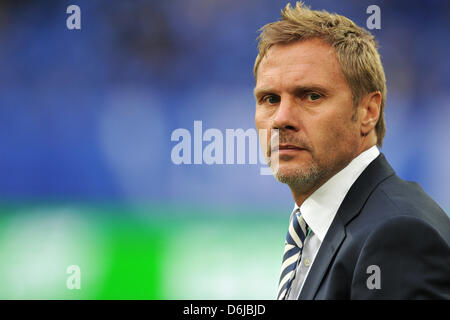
302, 62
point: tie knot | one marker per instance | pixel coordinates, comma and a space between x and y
298, 230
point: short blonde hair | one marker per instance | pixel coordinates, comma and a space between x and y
355, 47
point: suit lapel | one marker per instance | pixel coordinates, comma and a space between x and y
376, 171
332, 241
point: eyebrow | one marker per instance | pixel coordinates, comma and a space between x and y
301, 89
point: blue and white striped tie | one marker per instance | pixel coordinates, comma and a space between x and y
292, 252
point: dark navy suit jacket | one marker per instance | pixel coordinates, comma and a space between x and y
393, 225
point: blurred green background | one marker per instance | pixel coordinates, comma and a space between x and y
138, 253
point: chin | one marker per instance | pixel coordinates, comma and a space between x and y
297, 176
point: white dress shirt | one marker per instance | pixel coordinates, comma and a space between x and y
319, 210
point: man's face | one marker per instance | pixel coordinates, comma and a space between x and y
302, 92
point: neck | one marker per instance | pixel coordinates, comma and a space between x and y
301, 192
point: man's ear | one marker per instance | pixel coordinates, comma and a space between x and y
370, 111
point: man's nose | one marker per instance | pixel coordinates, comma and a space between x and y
285, 117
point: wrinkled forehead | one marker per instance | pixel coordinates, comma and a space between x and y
310, 60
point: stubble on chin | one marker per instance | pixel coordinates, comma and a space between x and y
300, 178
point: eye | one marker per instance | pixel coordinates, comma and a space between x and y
271, 99
313, 96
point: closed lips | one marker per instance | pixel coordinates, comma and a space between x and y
286, 147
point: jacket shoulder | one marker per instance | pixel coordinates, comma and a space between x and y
395, 197
411, 256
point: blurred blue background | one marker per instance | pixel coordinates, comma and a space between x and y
86, 117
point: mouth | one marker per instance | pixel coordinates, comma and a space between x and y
287, 148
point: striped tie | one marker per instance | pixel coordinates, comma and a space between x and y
292, 252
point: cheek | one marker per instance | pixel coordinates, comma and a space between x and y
334, 135
262, 119
260, 122
262, 126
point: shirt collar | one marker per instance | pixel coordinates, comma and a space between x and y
319, 208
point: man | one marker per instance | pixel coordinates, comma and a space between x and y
357, 231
